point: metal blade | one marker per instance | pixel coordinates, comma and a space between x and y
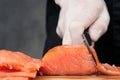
89, 49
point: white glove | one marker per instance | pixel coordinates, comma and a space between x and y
78, 15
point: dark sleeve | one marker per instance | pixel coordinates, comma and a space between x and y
116, 31
52, 15
108, 47
104, 46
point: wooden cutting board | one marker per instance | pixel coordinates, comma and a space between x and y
77, 78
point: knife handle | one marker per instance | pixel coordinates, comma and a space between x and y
88, 38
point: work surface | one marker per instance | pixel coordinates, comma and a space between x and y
77, 78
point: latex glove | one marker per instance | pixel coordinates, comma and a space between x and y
78, 15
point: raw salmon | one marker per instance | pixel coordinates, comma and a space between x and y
17, 74
74, 60
17, 64
68, 60
14, 78
108, 69
60, 60
105, 68
18, 61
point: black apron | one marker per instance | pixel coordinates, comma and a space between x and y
107, 46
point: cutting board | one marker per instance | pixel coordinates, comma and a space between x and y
77, 78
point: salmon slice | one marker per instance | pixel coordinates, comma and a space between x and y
105, 68
18, 61
17, 64
68, 60
14, 78
17, 74
108, 69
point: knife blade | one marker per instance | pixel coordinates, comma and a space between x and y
89, 49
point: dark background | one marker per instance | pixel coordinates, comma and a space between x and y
22, 26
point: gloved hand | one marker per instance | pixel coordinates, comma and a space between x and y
78, 15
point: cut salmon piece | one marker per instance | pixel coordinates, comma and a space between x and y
68, 60
14, 78
18, 64
17, 74
74, 60
105, 68
60, 60
18, 61
108, 69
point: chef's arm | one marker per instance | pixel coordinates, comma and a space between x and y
79, 15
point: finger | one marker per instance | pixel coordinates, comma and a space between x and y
61, 24
75, 29
73, 35
100, 26
66, 38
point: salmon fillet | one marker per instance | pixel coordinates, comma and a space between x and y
74, 60
68, 60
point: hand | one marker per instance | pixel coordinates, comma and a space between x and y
79, 15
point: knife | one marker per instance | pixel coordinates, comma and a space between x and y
89, 49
